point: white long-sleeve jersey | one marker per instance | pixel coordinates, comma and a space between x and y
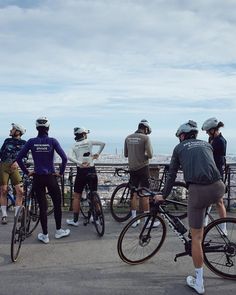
77, 153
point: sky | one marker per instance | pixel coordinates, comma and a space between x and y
107, 64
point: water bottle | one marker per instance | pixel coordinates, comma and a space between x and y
180, 226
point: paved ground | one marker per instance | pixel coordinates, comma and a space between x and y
84, 264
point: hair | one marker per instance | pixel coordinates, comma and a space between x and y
191, 135
141, 126
42, 130
79, 136
220, 124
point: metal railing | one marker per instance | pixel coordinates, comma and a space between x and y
107, 182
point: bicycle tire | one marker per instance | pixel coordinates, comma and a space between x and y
18, 233
97, 213
120, 202
50, 207
178, 193
138, 244
32, 216
220, 250
84, 206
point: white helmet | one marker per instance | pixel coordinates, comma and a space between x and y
145, 123
42, 122
187, 127
19, 128
209, 124
80, 130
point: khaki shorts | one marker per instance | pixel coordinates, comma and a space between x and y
200, 198
7, 173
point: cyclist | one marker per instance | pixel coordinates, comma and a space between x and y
82, 154
218, 142
138, 149
42, 148
205, 187
9, 168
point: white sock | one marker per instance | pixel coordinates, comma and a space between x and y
4, 210
16, 209
133, 212
199, 276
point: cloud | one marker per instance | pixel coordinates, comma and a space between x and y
98, 62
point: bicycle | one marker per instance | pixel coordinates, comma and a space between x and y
27, 217
137, 245
84, 203
93, 209
121, 196
25, 221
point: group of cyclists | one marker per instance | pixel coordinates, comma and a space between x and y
42, 147
201, 161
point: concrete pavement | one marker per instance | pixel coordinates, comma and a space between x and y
84, 264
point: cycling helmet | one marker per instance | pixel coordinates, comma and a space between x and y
145, 123
188, 127
80, 130
210, 123
42, 122
19, 128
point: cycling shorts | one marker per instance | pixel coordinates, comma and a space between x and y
6, 173
200, 197
140, 178
82, 178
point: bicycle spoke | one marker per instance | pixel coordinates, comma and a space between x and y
220, 249
120, 202
138, 244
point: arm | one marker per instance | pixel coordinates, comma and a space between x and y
101, 145
148, 148
125, 150
72, 157
23, 154
63, 156
171, 175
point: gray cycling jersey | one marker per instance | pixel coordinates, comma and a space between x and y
195, 157
138, 149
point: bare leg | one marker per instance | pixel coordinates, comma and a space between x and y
221, 208
197, 253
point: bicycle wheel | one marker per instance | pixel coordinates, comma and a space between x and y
97, 213
50, 208
84, 205
138, 244
32, 216
18, 233
120, 202
220, 249
178, 193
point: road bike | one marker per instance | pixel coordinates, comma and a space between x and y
90, 204
138, 244
25, 221
121, 196
27, 217
91, 207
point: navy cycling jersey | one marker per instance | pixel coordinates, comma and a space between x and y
219, 151
43, 149
10, 149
